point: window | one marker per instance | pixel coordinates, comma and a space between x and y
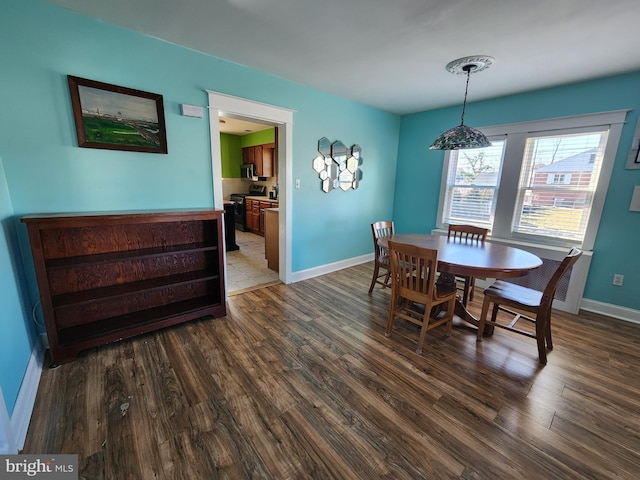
542, 182
559, 208
472, 184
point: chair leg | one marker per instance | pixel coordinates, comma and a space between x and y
483, 317
541, 334
423, 329
376, 269
450, 309
472, 287
392, 310
549, 341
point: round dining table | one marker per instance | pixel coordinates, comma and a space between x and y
473, 259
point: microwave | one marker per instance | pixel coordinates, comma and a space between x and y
246, 171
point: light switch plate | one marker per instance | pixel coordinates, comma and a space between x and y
635, 200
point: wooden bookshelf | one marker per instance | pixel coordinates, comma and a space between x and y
108, 276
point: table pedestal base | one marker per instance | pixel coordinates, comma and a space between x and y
461, 311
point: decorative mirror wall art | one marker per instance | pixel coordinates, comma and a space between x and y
338, 166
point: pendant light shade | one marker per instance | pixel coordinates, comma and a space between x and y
462, 136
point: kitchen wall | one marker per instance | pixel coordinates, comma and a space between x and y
43, 169
616, 250
231, 156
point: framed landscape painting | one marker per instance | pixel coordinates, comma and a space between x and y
117, 118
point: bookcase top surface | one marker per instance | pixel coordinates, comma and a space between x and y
155, 215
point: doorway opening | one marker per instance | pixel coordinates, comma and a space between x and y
254, 115
250, 193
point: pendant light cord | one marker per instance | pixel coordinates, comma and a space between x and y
468, 69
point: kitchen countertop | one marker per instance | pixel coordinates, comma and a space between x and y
262, 199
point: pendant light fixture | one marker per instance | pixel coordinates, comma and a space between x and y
462, 137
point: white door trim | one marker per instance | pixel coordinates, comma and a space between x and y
227, 105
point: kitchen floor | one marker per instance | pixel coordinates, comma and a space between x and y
247, 267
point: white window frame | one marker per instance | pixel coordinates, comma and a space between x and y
447, 198
517, 134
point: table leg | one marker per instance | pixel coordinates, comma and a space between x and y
460, 310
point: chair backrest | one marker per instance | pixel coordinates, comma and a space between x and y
565, 265
413, 271
379, 230
467, 233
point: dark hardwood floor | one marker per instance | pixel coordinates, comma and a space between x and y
299, 382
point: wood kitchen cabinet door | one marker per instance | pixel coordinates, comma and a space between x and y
261, 157
258, 161
253, 216
248, 156
268, 160
271, 241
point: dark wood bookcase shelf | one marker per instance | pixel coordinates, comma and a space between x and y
108, 276
55, 263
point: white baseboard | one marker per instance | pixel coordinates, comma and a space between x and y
7, 443
27, 397
331, 267
610, 310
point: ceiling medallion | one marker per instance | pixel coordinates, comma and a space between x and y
473, 64
462, 136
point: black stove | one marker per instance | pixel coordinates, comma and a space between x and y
240, 205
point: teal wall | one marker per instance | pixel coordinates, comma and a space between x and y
45, 171
616, 250
17, 331
230, 155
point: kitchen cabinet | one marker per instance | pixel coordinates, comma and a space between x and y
263, 207
262, 157
271, 238
249, 155
255, 213
107, 276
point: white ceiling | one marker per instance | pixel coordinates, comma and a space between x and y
236, 126
391, 54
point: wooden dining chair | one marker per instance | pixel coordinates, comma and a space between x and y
467, 234
414, 292
379, 230
507, 296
